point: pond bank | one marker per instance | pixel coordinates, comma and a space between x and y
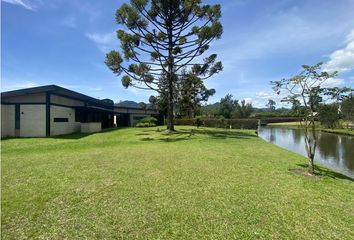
333, 150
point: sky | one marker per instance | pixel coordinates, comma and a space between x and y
64, 42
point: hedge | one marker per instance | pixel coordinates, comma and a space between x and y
220, 123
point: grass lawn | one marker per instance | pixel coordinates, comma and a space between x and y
142, 184
349, 132
285, 124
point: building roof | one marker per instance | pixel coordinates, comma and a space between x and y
56, 90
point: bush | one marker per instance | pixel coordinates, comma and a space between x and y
198, 122
328, 115
148, 120
145, 124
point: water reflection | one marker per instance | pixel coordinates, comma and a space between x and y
335, 151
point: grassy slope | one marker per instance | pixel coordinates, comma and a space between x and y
139, 183
349, 132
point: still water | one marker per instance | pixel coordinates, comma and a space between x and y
334, 151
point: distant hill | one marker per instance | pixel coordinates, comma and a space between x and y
131, 104
128, 103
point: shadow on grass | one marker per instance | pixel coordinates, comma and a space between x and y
75, 136
187, 134
147, 139
324, 172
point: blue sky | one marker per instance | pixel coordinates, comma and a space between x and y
63, 42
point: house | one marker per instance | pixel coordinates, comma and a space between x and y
52, 110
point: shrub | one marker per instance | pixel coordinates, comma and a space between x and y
328, 115
198, 122
145, 124
148, 120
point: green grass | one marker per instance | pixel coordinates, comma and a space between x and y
285, 124
349, 132
143, 184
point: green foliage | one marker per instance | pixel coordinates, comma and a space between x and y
328, 115
191, 93
347, 108
276, 114
227, 106
305, 93
198, 122
148, 120
230, 108
220, 123
142, 105
271, 104
242, 110
145, 124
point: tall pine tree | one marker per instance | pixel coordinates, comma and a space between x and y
163, 38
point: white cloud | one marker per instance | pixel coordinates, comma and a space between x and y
30, 5
248, 100
262, 98
342, 60
333, 82
267, 95
105, 41
19, 85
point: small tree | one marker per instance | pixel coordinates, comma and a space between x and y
191, 93
305, 89
328, 115
198, 122
227, 106
142, 105
271, 105
163, 38
347, 108
242, 110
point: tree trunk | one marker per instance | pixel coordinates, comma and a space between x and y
170, 77
311, 168
170, 116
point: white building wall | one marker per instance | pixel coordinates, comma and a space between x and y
59, 128
65, 101
32, 120
7, 120
91, 127
31, 98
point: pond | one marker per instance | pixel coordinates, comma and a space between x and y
334, 151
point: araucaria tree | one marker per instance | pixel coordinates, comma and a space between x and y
306, 90
163, 39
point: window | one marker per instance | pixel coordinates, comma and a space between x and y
61, 120
137, 118
17, 116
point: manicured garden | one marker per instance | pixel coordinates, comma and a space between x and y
139, 183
